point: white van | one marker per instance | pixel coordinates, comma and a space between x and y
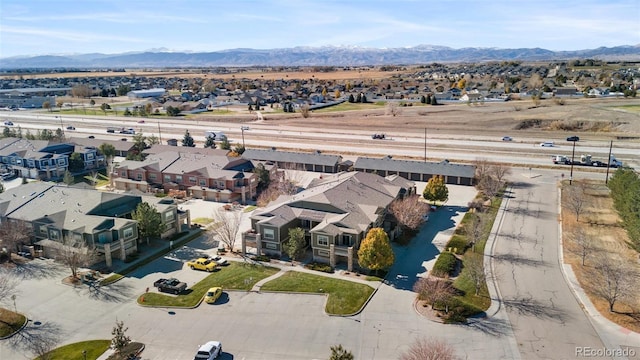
215, 134
547, 144
209, 351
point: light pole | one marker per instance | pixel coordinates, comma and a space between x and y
573, 153
84, 354
243, 128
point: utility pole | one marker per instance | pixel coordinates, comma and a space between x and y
159, 132
573, 153
425, 144
606, 180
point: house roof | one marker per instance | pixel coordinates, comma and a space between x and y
158, 148
344, 202
315, 158
410, 166
117, 144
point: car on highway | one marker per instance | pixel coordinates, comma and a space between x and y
573, 138
203, 264
140, 121
378, 136
547, 144
91, 137
209, 351
71, 128
212, 295
507, 138
8, 123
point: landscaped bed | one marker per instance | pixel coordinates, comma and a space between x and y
93, 348
345, 297
236, 276
10, 322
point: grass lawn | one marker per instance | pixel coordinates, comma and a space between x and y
10, 322
345, 297
235, 276
630, 108
202, 221
94, 349
250, 208
482, 301
346, 106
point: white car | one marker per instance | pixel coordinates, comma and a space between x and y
219, 260
507, 138
547, 144
209, 351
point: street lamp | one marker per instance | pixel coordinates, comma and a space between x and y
573, 153
243, 128
84, 354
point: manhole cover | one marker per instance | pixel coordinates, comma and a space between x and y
37, 323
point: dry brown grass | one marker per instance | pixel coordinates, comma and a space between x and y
601, 223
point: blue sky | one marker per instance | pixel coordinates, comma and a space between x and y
36, 27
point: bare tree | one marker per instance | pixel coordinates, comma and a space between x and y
474, 268
474, 230
499, 172
576, 199
75, 254
429, 349
409, 211
305, 110
581, 244
489, 186
43, 345
14, 234
225, 228
612, 280
483, 168
393, 109
434, 291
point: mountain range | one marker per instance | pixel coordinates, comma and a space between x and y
315, 56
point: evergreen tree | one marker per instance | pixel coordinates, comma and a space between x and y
224, 144
434, 101
187, 140
68, 178
149, 221
351, 98
210, 142
294, 247
436, 189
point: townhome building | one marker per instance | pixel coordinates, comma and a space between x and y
336, 212
58, 215
35, 159
202, 173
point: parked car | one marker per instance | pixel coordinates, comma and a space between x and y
171, 285
507, 138
573, 138
212, 295
202, 264
209, 351
8, 123
547, 144
219, 260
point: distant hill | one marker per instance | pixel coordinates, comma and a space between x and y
315, 56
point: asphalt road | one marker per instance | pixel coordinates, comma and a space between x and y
547, 320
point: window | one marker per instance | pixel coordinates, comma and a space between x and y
268, 234
305, 224
323, 240
54, 234
178, 178
192, 179
346, 240
169, 216
167, 178
77, 236
102, 238
139, 176
128, 233
123, 173
43, 229
324, 253
153, 176
271, 246
203, 182
90, 156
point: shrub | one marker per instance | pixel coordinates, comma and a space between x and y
320, 267
526, 124
445, 265
263, 258
458, 244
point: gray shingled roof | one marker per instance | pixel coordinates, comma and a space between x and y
117, 144
420, 167
314, 158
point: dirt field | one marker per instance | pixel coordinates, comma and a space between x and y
601, 224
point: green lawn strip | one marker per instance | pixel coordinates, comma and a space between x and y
94, 349
345, 297
161, 252
235, 276
202, 221
470, 300
10, 322
250, 208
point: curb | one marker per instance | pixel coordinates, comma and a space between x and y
489, 249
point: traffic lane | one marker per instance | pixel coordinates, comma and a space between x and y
547, 320
250, 325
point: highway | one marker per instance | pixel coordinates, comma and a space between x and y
454, 147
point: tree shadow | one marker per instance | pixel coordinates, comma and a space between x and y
38, 269
521, 185
35, 335
117, 292
518, 260
533, 307
489, 325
